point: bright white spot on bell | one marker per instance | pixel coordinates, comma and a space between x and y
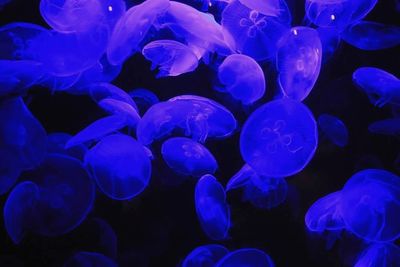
209, 4
110, 8
295, 32
333, 17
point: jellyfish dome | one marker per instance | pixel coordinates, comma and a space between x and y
92, 259
246, 257
279, 139
205, 256
334, 128
379, 254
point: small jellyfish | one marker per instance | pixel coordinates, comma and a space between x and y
380, 86
211, 207
242, 78
188, 157
120, 108
379, 254
386, 127
246, 257
368, 35
298, 61
106, 237
120, 166
100, 91
370, 205
205, 256
56, 144
144, 99
279, 139
334, 129
92, 259
272, 8
330, 41
172, 58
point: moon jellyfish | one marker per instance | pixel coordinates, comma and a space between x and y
120, 108
250, 32
386, 127
199, 117
379, 254
242, 78
144, 99
368, 35
212, 208
334, 129
100, 91
92, 259
56, 144
188, 157
132, 28
370, 205
279, 138
205, 256
380, 86
120, 165
172, 58
246, 257
272, 8
298, 61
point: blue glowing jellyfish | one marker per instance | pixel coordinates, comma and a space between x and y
246, 257
199, 117
334, 129
330, 41
242, 78
379, 254
132, 28
144, 99
279, 138
205, 256
56, 144
298, 61
100, 91
386, 127
107, 240
211, 207
120, 165
370, 205
171, 57
120, 108
188, 157
380, 86
368, 35
89, 259
272, 8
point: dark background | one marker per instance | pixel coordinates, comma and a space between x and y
160, 227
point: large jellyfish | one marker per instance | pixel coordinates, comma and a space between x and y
188, 157
205, 256
334, 129
211, 207
120, 165
246, 257
298, 61
86, 259
279, 138
386, 127
242, 78
379, 254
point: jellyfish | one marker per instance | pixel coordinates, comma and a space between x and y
386, 127
380, 86
212, 208
100, 91
242, 78
132, 28
188, 157
368, 35
199, 117
100, 237
56, 144
298, 61
93, 259
172, 58
279, 139
370, 205
334, 129
250, 32
246, 257
205, 256
144, 99
274, 8
120, 166
379, 254
120, 108
330, 41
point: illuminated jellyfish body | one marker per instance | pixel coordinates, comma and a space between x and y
337, 13
86, 259
242, 78
379, 254
199, 117
66, 15
298, 61
380, 86
56, 144
212, 208
144, 99
120, 166
273, 8
246, 257
122, 109
279, 138
370, 205
386, 127
188, 157
205, 256
368, 35
334, 129
172, 58
252, 33
100, 91
132, 28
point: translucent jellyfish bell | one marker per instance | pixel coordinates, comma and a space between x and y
120, 165
386, 127
211, 207
120, 108
242, 78
86, 259
205, 256
246, 257
379, 254
279, 138
172, 58
298, 61
334, 129
100, 91
188, 157
370, 205
272, 8
144, 99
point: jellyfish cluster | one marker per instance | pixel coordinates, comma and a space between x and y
257, 131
